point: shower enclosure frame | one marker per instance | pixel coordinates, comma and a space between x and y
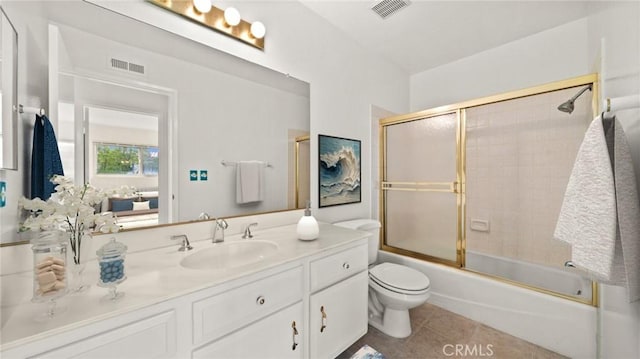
459, 186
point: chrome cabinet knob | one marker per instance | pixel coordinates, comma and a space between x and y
260, 300
346, 265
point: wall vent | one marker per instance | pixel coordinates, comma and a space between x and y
127, 66
119, 64
386, 8
136, 68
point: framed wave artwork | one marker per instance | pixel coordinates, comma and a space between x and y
339, 171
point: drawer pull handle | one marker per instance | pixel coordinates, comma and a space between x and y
260, 300
295, 332
345, 265
324, 320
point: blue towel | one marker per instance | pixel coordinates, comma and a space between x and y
45, 159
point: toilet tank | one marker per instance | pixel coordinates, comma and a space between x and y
367, 225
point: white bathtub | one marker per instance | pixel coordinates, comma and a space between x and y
557, 280
561, 325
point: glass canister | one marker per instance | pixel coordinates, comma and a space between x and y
49, 269
111, 259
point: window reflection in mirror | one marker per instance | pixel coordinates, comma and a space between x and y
116, 147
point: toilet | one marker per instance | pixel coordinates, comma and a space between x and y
393, 288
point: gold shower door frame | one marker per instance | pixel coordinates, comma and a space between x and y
459, 187
455, 187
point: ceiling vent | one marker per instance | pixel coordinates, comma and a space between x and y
126, 66
386, 8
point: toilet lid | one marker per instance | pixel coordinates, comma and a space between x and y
399, 278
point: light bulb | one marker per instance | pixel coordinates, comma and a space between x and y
231, 16
258, 30
203, 6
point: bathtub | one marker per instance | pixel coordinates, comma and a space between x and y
556, 280
558, 324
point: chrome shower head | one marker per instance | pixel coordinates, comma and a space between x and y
569, 105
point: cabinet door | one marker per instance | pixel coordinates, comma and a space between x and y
278, 336
153, 337
338, 316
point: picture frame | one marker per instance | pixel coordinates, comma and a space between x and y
339, 171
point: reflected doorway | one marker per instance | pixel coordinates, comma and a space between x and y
109, 140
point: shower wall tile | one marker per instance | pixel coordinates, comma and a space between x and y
519, 157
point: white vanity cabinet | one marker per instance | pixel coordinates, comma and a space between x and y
261, 319
311, 305
338, 302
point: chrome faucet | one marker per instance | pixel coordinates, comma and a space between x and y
185, 242
222, 224
247, 230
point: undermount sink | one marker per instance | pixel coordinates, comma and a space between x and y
230, 255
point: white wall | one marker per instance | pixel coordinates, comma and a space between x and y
32, 92
548, 56
567, 51
614, 35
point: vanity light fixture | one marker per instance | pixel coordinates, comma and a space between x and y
203, 6
258, 30
232, 16
227, 22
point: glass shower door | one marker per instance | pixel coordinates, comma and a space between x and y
421, 188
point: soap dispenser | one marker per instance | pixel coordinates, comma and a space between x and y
308, 229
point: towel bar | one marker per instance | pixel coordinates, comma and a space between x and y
233, 163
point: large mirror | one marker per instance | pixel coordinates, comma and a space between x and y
8, 94
136, 105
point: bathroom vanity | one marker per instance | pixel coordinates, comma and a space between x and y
305, 300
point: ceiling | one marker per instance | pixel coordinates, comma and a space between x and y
427, 34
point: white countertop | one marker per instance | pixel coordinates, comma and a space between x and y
155, 276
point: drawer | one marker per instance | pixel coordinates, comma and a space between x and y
331, 269
271, 337
151, 337
225, 312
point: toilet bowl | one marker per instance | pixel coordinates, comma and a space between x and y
393, 288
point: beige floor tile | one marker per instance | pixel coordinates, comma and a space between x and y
420, 315
434, 328
500, 344
454, 327
425, 344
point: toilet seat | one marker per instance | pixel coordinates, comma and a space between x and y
400, 279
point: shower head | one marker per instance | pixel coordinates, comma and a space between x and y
568, 106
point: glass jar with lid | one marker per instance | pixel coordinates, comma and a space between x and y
49, 269
111, 259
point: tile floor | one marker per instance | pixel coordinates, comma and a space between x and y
436, 331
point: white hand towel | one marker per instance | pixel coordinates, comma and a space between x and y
249, 182
588, 216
